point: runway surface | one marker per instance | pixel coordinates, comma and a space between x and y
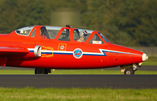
79, 81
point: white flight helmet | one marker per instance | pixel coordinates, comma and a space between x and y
82, 33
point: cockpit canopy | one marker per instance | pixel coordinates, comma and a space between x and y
24, 31
51, 32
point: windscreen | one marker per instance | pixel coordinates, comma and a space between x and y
103, 37
24, 31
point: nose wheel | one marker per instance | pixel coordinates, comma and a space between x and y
129, 71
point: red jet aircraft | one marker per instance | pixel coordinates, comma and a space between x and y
47, 47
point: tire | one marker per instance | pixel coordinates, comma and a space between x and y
129, 71
39, 71
45, 71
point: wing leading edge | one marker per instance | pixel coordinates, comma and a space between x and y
13, 50
7, 51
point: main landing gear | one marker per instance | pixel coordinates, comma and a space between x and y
42, 71
129, 69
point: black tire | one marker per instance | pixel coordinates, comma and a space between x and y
45, 71
129, 71
41, 71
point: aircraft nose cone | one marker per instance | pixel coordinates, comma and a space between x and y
144, 57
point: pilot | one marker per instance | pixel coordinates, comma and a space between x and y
45, 34
82, 34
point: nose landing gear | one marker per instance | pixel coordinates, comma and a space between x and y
129, 69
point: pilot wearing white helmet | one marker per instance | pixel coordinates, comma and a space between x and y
82, 34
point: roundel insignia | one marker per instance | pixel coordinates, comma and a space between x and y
77, 53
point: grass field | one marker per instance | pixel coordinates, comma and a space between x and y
151, 61
77, 94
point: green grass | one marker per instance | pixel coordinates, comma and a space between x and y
151, 61
77, 94
16, 72
98, 71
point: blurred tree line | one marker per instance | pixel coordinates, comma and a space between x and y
125, 22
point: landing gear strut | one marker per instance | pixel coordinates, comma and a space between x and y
129, 69
42, 71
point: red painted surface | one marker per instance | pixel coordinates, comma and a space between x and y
16, 50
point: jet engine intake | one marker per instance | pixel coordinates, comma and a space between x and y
37, 51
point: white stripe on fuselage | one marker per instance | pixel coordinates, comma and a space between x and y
101, 53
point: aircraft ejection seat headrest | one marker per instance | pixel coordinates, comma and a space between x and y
82, 33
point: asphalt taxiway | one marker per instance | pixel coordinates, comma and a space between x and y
79, 81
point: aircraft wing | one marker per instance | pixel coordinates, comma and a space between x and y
10, 51
7, 49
